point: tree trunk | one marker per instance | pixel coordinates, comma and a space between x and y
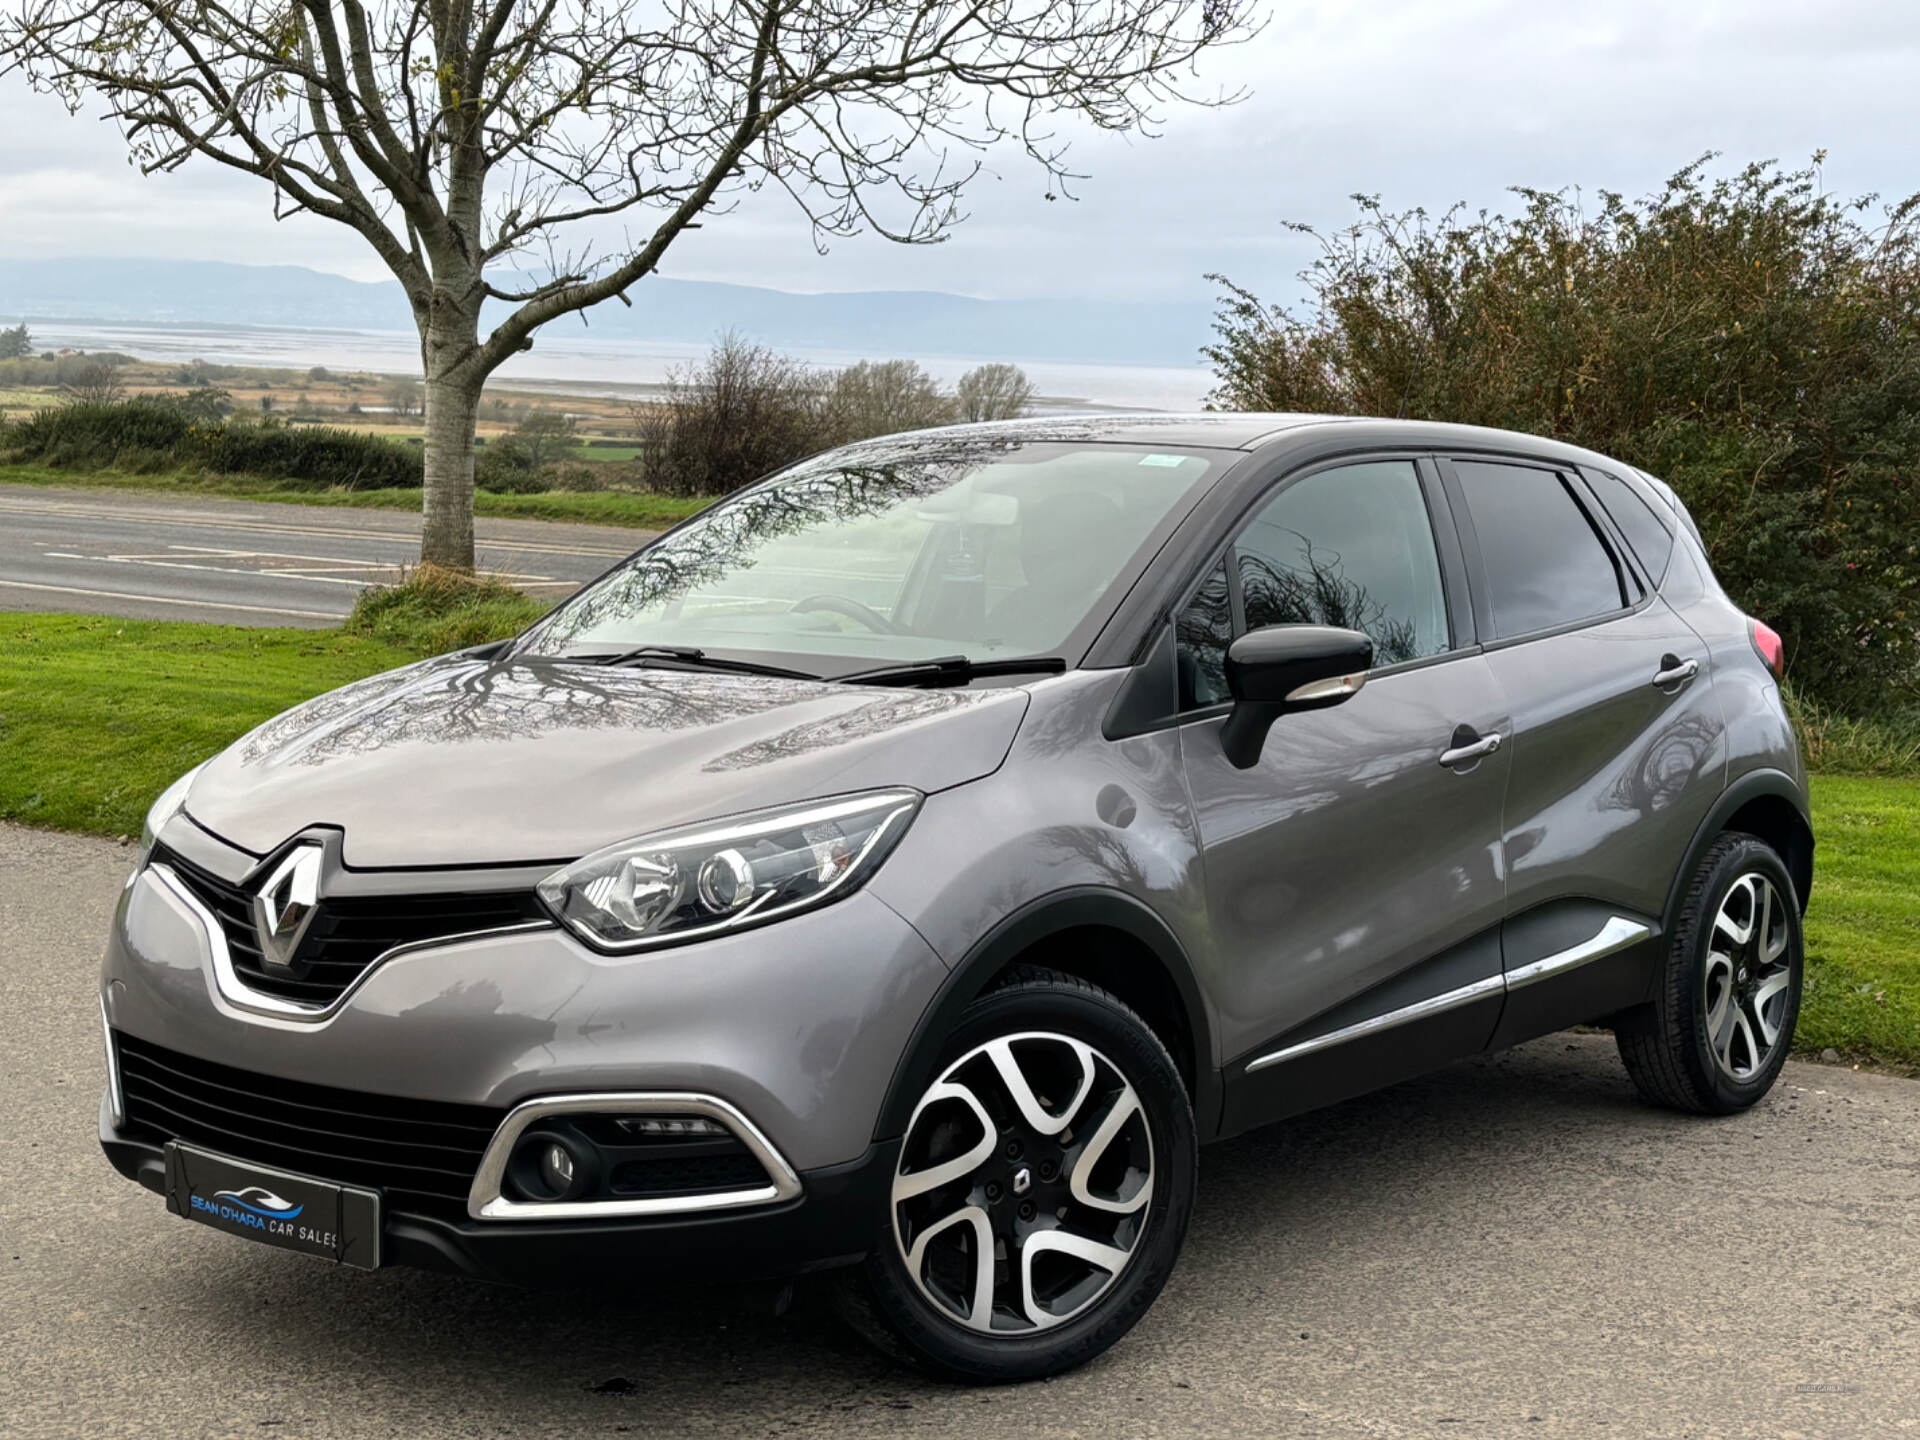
446, 539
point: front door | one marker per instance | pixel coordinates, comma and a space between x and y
1354, 877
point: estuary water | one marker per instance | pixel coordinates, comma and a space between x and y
567, 359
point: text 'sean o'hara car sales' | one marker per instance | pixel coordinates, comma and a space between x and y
901, 868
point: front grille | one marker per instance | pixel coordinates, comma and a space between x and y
421, 1154
348, 933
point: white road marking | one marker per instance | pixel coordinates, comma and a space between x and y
201, 520
169, 600
60, 555
154, 563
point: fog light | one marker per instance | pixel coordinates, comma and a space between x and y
548, 1165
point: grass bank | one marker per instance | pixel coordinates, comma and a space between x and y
1863, 927
593, 507
97, 715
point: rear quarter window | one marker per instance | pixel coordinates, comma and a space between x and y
1650, 538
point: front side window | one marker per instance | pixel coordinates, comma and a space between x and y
894, 553
1351, 547
1203, 632
1545, 564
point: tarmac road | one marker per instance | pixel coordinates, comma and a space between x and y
236, 562
1515, 1247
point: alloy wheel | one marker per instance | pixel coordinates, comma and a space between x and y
1748, 975
1024, 1184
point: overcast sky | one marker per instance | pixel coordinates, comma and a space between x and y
1423, 104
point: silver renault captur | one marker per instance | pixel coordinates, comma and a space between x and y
902, 866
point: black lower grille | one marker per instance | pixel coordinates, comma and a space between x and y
690, 1175
348, 933
421, 1154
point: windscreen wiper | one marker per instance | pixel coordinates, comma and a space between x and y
691, 657
953, 670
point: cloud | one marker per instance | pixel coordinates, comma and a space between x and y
1423, 104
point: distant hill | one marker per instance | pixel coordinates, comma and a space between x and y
869, 322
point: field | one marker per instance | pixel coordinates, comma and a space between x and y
97, 715
360, 400
636, 509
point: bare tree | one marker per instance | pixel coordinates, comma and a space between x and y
96, 381
402, 394
884, 397
486, 148
993, 392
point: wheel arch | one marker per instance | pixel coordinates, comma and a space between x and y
1123, 947
1767, 803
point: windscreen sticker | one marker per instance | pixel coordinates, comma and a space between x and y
1164, 460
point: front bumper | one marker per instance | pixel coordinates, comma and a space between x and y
800, 1025
798, 1028
830, 1224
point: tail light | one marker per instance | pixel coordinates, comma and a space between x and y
1768, 645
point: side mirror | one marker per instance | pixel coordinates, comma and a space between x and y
1280, 669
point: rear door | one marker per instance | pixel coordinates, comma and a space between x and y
1617, 747
1353, 874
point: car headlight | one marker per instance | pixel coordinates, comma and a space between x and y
172, 800
708, 879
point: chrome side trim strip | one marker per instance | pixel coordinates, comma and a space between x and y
486, 1201
116, 1094
1617, 934
1419, 1010
242, 996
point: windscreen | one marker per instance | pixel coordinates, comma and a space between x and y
891, 554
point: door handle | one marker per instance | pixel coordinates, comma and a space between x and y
1675, 671
1470, 752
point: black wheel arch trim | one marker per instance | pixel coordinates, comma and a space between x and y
1076, 908
1754, 785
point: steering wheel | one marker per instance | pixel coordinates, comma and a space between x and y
852, 609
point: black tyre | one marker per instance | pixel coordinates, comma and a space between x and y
1056, 1145
1716, 1035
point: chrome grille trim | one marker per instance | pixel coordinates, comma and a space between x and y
241, 996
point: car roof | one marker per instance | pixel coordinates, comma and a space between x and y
1239, 430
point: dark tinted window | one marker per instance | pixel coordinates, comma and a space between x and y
1652, 541
1544, 561
1204, 630
1350, 547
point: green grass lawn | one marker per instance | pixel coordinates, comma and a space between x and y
1863, 927
596, 507
98, 715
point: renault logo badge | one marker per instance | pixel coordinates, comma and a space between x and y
283, 907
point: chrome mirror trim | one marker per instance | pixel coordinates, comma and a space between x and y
486, 1201
1331, 688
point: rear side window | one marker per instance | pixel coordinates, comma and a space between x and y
1545, 564
1652, 541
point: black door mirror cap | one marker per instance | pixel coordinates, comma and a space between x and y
1283, 669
